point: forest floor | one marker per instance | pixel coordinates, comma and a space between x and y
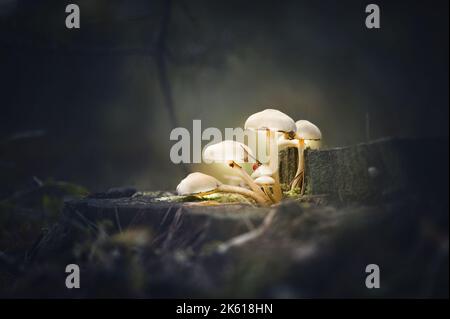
141, 247
152, 245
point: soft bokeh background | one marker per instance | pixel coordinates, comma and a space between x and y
91, 106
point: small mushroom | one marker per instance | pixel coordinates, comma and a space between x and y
272, 121
285, 142
197, 183
309, 136
262, 170
266, 182
201, 184
310, 133
231, 153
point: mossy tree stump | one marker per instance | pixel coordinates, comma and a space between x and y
369, 172
179, 256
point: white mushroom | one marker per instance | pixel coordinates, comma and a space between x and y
284, 142
308, 135
266, 182
226, 151
202, 184
197, 183
272, 121
262, 170
232, 153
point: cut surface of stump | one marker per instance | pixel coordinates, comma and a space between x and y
183, 223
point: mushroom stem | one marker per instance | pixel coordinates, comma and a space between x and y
242, 191
301, 164
273, 164
269, 193
277, 193
285, 143
302, 190
249, 181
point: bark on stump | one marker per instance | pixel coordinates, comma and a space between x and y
368, 172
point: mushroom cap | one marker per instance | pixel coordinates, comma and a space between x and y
283, 142
270, 119
196, 183
263, 170
228, 150
265, 180
307, 130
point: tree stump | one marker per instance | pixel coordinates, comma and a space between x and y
405, 232
288, 165
177, 224
369, 172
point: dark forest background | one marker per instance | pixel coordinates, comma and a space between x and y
95, 106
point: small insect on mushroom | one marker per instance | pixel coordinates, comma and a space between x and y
231, 153
200, 184
273, 122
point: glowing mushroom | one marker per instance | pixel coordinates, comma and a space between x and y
262, 170
273, 122
262, 177
201, 184
232, 153
309, 136
266, 182
310, 133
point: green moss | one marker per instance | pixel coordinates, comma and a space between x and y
178, 199
228, 198
292, 193
217, 197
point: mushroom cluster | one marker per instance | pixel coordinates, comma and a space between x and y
263, 185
